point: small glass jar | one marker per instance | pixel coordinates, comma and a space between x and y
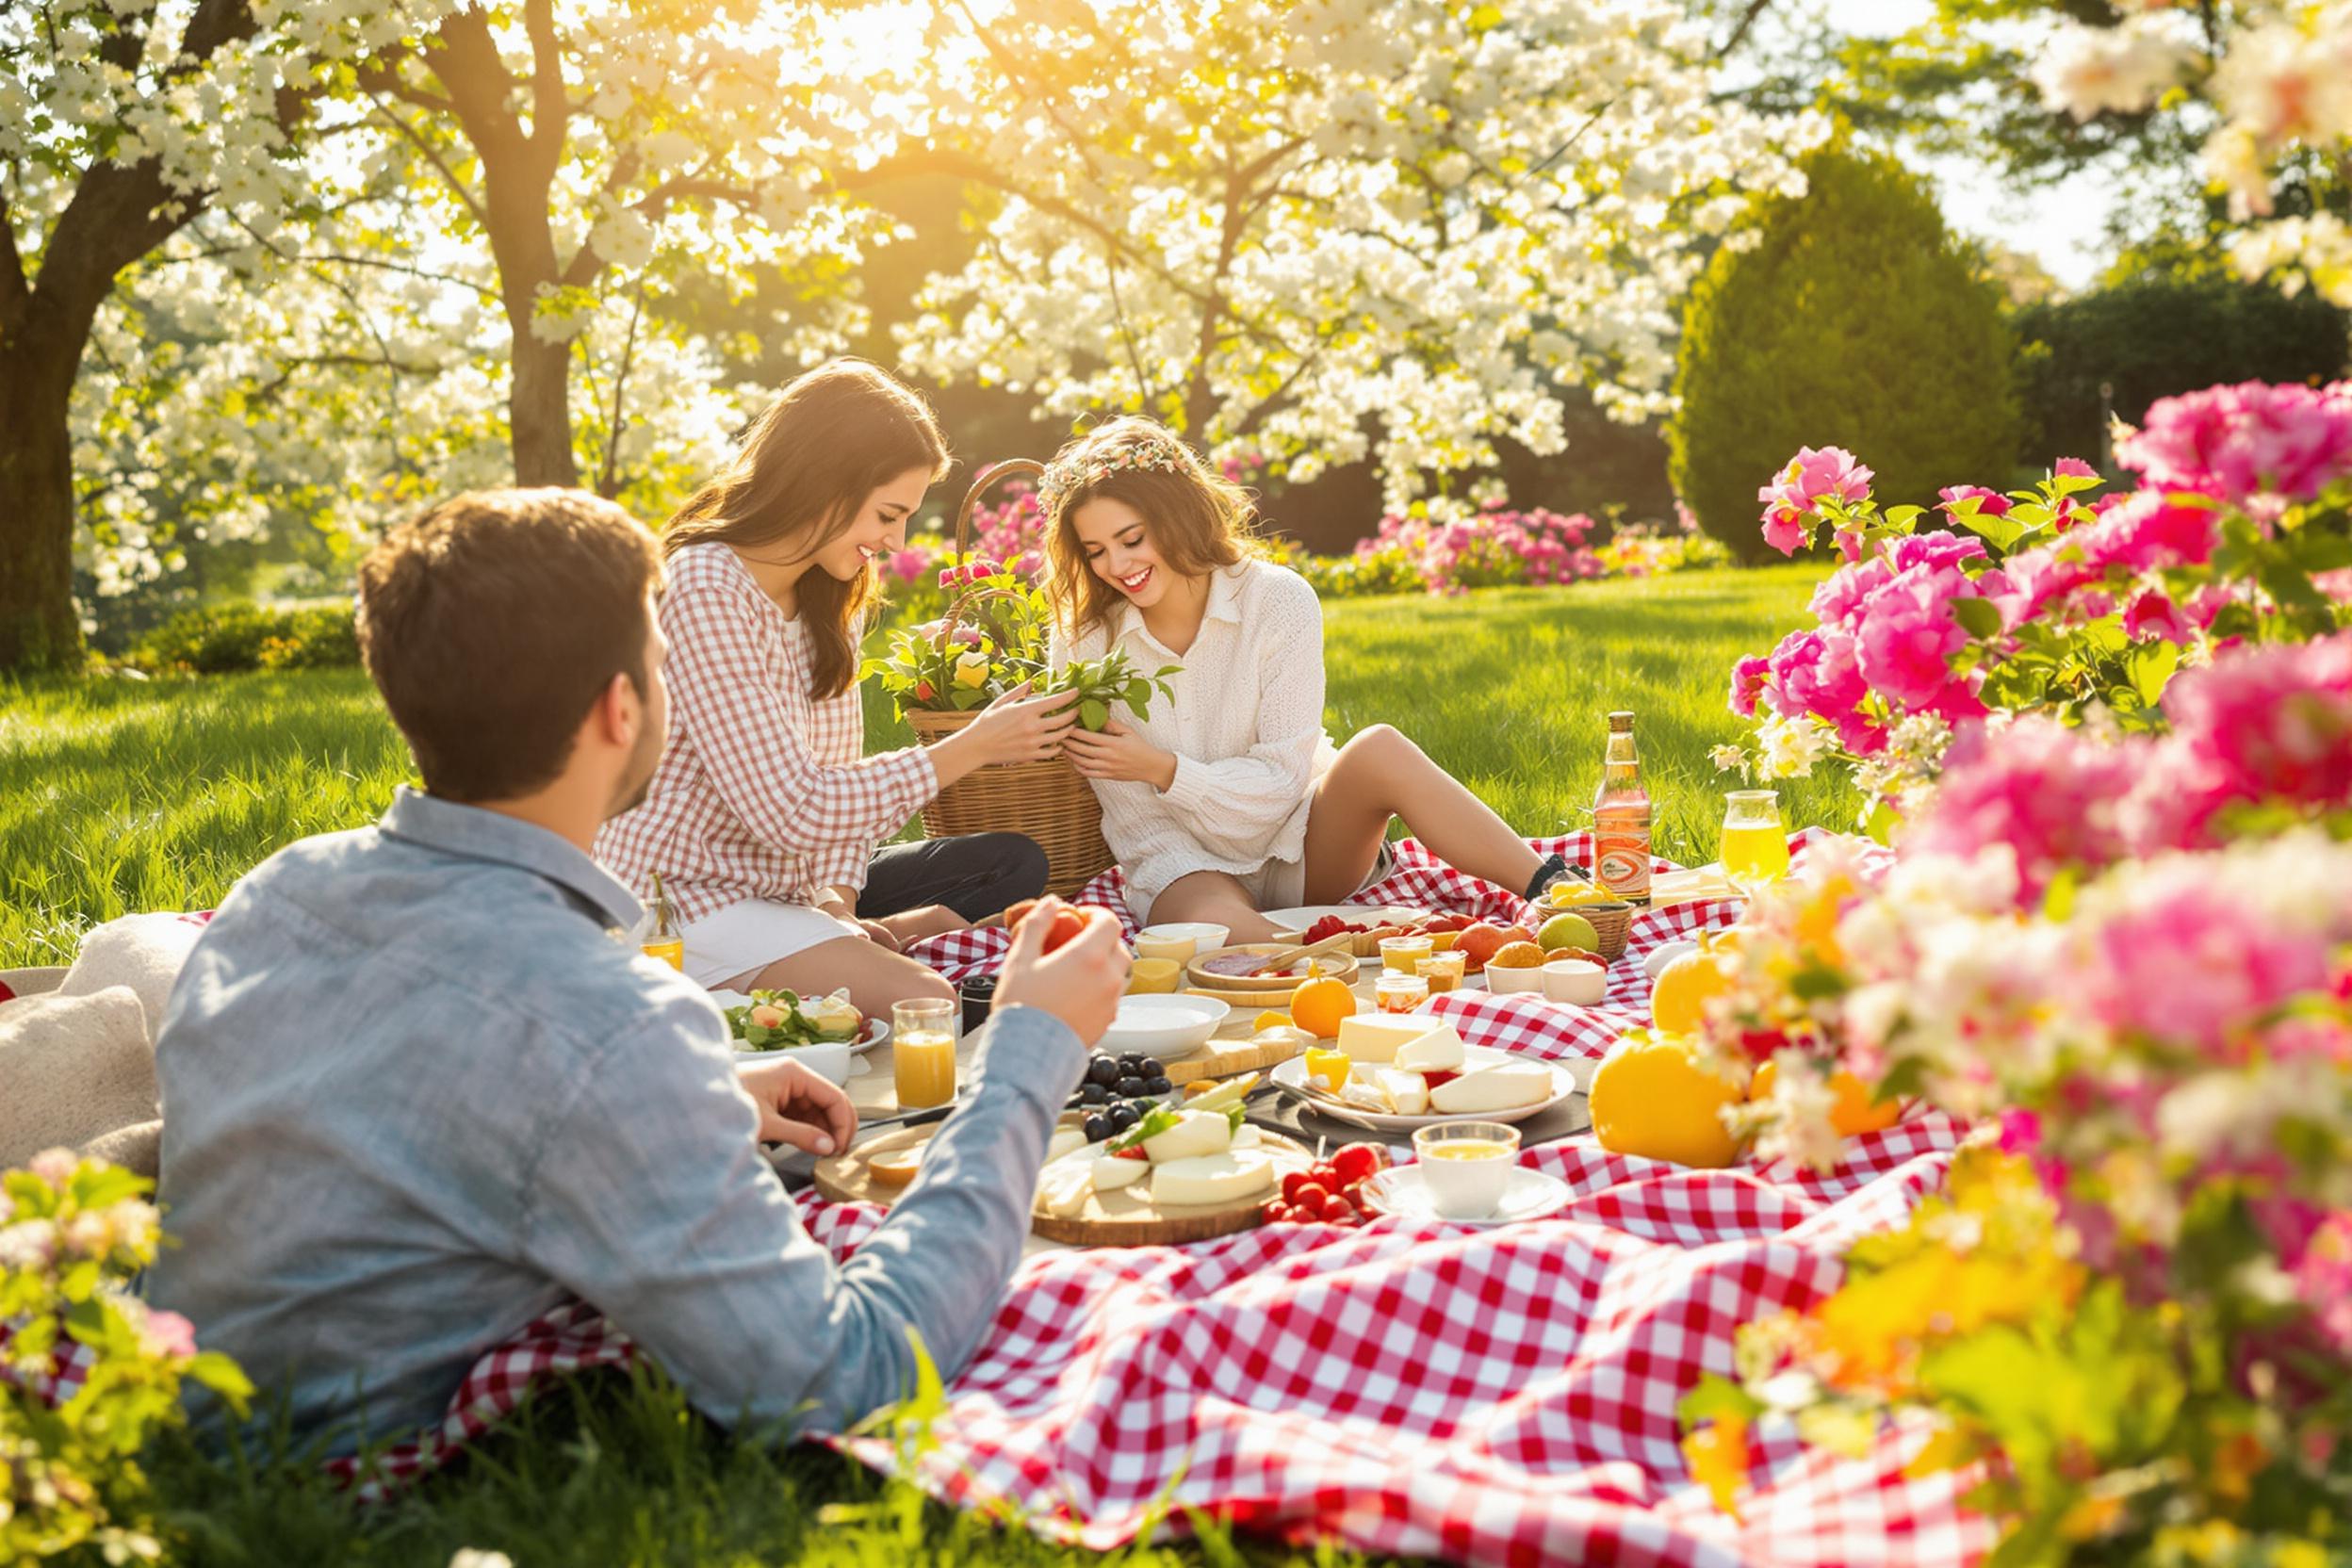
1399, 954
1754, 841
1443, 971
1400, 993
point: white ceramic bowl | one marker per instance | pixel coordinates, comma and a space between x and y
1162, 1027
1504, 982
1576, 980
1183, 940
1664, 954
830, 1062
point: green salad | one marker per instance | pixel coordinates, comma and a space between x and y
786, 1021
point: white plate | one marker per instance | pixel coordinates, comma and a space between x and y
1162, 1027
1531, 1195
1292, 1074
1354, 914
837, 1060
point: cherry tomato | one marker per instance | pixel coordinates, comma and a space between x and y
1357, 1162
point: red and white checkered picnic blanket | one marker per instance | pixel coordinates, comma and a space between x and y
1501, 1396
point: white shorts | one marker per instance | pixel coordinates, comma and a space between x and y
1277, 884
744, 939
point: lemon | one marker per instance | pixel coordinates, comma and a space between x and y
1568, 930
1651, 1097
1271, 1020
1680, 996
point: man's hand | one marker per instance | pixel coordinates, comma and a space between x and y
1080, 983
798, 1106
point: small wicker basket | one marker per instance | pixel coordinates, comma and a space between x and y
1050, 801
1612, 923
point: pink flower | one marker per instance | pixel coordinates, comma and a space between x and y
2050, 793
2074, 467
1940, 547
2189, 967
2247, 440
2020, 1131
1816, 672
907, 564
2152, 615
2323, 1280
1812, 475
1784, 529
1907, 636
2272, 723
1841, 595
167, 1333
2153, 531
1989, 503
1747, 684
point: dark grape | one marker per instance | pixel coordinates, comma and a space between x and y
1149, 1067
1097, 1128
1158, 1085
1130, 1067
1124, 1117
1103, 1071
1094, 1094
1128, 1089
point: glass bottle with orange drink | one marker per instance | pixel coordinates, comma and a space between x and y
1621, 818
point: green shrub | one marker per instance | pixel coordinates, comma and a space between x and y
222, 638
1851, 321
2162, 332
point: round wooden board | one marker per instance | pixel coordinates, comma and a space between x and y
1121, 1218
1338, 965
1222, 1058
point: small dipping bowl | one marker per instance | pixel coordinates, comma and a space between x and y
1182, 940
1466, 1166
1504, 982
1400, 993
1577, 980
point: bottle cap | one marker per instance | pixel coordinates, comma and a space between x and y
1621, 720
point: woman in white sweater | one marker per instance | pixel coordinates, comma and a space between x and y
1230, 799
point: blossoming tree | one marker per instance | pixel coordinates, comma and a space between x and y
118, 125
1318, 230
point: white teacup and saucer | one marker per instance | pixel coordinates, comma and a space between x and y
1467, 1174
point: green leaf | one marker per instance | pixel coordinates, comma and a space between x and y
1092, 714
1715, 1398
2152, 665
1978, 617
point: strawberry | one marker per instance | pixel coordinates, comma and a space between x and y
1435, 1079
1326, 1178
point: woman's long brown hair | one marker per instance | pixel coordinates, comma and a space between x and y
1197, 521
806, 466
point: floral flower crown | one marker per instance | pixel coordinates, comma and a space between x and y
1142, 445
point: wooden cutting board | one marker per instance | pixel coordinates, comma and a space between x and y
1223, 1058
1123, 1218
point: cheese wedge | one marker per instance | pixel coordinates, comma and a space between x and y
1377, 1037
1212, 1179
1408, 1093
1066, 1188
1110, 1174
1067, 1140
1505, 1087
1195, 1133
895, 1169
1439, 1051
1366, 1096
1231, 1092
1248, 1137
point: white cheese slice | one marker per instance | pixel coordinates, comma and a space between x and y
1248, 1137
1064, 1189
1370, 1097
1377, 1037
1067, 1140
1505, 1087
1195, 1133
1408, 1092
1231, 1092
1439, 1051
1212, 1179
1111, 1173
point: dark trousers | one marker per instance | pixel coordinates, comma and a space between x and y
976, 875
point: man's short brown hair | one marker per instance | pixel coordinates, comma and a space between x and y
491, 623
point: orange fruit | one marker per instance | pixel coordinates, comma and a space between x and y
1270, 1020
1651, 1097
1318, 1005
1333, 1066
1854, 1113
1516, 956
1680, 996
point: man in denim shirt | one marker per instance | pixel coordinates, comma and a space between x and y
416, 1093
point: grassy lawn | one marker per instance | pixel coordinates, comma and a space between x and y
120, 795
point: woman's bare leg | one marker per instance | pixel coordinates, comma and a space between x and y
875, 976
1214, 897
1380, 774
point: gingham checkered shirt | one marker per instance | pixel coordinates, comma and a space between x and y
761, 791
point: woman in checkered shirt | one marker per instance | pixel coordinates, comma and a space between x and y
764, 815
1231, 799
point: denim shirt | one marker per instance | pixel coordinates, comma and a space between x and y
414, 1095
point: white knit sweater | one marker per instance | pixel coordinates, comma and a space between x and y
1246, 728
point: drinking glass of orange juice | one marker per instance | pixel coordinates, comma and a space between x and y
923, 1048
1756, 842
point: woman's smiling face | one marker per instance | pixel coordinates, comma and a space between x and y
880, 527
1117, 547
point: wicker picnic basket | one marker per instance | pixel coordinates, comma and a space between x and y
1050, 801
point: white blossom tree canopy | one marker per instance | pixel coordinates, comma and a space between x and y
1313, 231
119, 123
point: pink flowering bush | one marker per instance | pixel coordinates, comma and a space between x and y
72, 1233
2050, 600
1492, 547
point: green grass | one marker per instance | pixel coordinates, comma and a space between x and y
121, 795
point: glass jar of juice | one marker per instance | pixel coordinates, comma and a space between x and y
1404, 955
1400, 993
922, 1051
1756, 842
1443, 971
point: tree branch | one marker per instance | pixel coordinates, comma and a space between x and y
1740, 29
432, 155
551, 111
14, 293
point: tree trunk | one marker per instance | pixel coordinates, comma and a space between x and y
39, 628
540, 411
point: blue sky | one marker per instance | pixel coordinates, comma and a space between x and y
2060, 225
